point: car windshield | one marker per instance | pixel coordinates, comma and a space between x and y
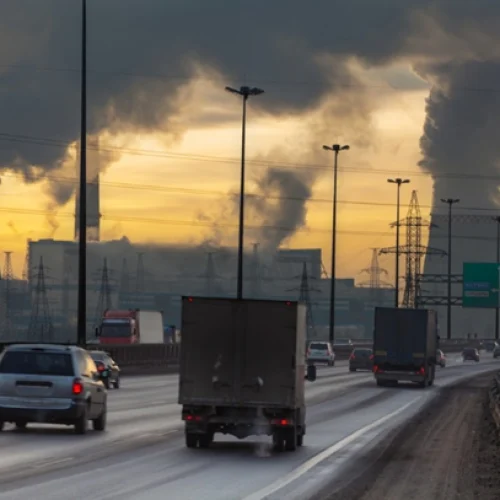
37, 363
98, 356
318, 346
115, 330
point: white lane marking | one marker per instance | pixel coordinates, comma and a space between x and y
312, 462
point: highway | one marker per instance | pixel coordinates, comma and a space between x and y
142, 454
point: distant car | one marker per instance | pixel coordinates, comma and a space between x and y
440, 358
490, 345
361, 358
470, 354
496, 352
109, 370
320, 352
53, 384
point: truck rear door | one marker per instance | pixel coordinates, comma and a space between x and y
207, 352
400, 336
267, 353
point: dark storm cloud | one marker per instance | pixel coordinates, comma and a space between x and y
141, 52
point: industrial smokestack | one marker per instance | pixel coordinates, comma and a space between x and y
93, 214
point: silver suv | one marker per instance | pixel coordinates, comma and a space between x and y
53, 384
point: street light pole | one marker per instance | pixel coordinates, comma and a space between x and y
450, 202
244, 92
82, 232
398, 181
497, 315
336, 148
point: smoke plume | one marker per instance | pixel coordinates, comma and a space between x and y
460, 137
142, 55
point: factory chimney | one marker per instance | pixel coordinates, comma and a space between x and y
93, 169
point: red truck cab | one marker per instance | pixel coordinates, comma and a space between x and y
118, 327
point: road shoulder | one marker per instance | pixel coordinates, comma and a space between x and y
449, 451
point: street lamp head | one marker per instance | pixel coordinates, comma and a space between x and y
327, 148
345, 148
450, 201
405, 181
233, 91
399, 181
255, 91
245, 91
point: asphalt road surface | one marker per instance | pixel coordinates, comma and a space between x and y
142, 455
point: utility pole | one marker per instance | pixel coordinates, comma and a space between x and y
82, 234
336, 148
497, 315
398, 181
450, 202
245, 93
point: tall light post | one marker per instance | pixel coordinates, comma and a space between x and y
244, 92
336, 148
82, 232
450, 202
398, 181
497, 315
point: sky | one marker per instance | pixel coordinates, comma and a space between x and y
169, 195
411, 86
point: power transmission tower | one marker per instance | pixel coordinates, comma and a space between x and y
104, 300
304, 296
210, 275
413, 251
8, 276
375, 283
41, 328
375, 272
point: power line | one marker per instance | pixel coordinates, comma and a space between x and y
257, 163
208, 224
225, 194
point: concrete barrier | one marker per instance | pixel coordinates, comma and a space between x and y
164, 358
150, 359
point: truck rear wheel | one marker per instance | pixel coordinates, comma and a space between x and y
300, 439
291, 439
191, 440
278, 441
205, 440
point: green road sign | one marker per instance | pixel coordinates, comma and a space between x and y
481, 285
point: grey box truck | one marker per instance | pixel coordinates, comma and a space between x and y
243, 370
405, 346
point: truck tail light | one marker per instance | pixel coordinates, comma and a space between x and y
282, 422
371, 357
192, 418
422, 370
352, 357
